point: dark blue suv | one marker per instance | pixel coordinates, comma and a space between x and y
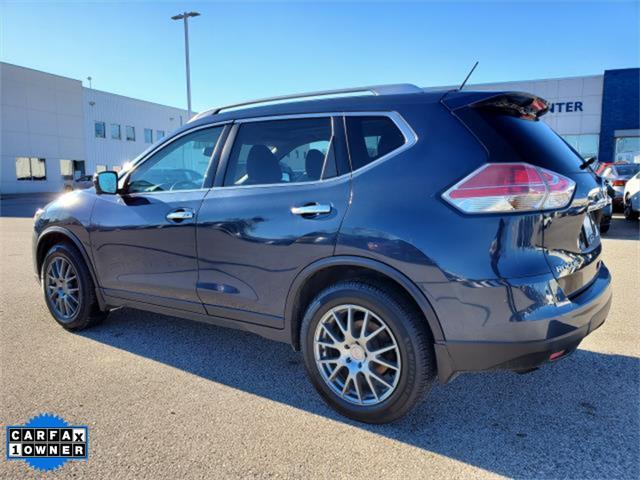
391, 234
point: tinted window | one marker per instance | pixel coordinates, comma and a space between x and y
99, 129
181, 165
530, 141
371, 138
131, 133
115, 131
281, 151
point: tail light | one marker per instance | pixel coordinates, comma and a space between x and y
618, 183
510, 187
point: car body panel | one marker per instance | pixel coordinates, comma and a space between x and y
632, 192
138, 253
251, 247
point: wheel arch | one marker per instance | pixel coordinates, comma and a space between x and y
328, 270
56, 234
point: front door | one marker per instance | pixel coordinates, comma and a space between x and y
144, 240
278, 209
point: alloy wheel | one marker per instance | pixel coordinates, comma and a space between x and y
63, 288
357, 355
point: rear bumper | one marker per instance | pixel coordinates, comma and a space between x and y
564, 333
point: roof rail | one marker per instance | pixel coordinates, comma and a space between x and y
392, 89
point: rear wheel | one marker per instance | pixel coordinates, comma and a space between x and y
368, 352
68, 288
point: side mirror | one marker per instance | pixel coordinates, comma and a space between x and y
106, 183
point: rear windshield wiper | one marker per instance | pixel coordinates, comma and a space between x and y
587, 162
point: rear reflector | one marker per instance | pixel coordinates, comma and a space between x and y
556, 355
510, 187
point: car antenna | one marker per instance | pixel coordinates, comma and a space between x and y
463, 83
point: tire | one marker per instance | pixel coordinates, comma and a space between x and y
414, 368
61, 260
629, 213
605, 228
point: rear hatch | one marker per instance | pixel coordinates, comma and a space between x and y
508, 125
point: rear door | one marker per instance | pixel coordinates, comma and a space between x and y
276, 207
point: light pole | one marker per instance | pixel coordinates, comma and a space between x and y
185, 17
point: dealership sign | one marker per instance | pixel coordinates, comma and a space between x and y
565, 107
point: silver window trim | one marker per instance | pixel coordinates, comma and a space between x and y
161, 146
410, 136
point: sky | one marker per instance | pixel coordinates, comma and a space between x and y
243, 50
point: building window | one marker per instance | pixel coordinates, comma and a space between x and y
159, 134
101, 168
131, 133
585, 145
31, 168
115, 131
116, 168
70, 169
627, 149
99, 129
148, 135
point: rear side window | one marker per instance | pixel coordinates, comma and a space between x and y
281, 151
370, 138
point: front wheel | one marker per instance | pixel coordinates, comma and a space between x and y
68, 288
368, 351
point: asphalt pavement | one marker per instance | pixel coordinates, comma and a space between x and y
169, 398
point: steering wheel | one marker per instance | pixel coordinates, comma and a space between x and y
184, 185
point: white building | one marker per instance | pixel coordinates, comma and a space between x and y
53, 129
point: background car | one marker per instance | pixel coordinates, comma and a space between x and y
616, 175
632, 197
80, 183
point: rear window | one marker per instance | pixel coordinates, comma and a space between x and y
509, 138
370, 138
537, 143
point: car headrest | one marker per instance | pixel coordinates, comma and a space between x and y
262, 166
313, 164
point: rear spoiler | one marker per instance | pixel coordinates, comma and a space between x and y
518, 104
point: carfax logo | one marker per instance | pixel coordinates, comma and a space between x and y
47, 442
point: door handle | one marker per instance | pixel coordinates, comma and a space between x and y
311, 209
180, 215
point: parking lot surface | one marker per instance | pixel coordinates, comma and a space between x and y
169, 398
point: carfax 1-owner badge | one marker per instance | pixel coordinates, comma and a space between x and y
47, 442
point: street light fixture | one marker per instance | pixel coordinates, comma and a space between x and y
185, 17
